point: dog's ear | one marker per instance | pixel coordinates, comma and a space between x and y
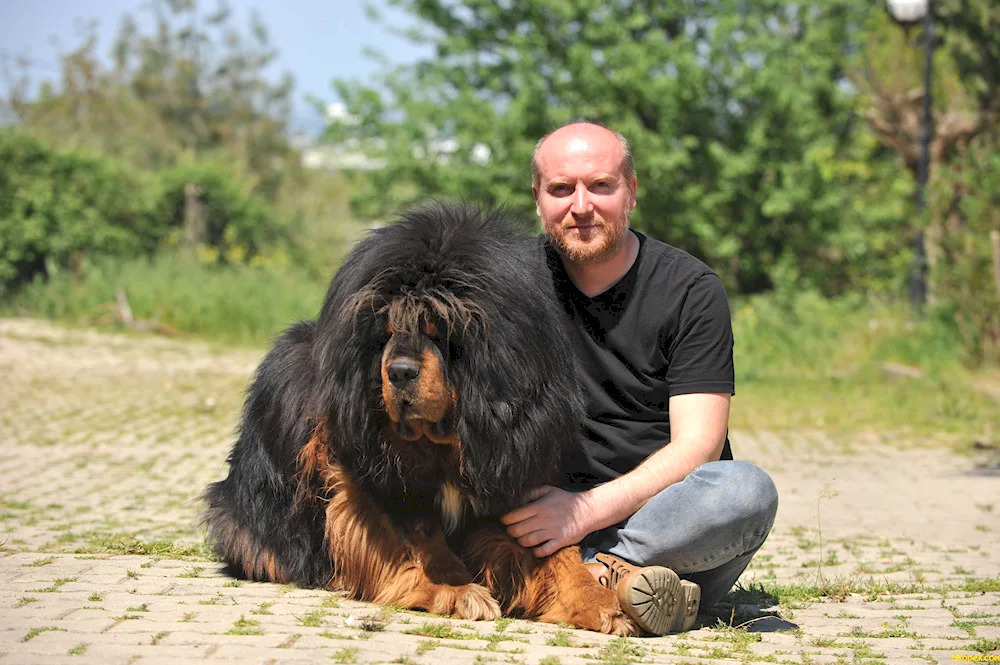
349, 396
346, 357
519, 410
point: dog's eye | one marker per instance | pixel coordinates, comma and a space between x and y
444, 344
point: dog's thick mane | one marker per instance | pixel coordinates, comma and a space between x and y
445, 261
507, 356
406, 311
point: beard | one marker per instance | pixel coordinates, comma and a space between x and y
598, 243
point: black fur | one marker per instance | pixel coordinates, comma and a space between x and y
518, 405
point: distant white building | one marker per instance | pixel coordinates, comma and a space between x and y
347, 156
351, 155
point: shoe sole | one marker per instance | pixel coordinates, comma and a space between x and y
691, 596
656, 600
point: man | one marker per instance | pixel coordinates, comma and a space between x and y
666, 526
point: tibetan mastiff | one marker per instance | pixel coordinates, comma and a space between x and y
380, 444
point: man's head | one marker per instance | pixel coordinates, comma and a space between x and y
584, 186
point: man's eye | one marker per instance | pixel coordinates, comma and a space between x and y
560, 189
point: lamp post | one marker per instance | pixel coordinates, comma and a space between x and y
909, 13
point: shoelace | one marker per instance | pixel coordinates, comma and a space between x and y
614, 571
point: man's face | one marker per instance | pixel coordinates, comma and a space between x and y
583, 199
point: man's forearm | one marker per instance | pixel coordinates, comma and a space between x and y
620, 498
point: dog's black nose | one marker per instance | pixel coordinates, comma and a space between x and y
402, 371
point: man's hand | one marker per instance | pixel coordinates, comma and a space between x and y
552, 519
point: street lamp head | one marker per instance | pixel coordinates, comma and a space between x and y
908, 12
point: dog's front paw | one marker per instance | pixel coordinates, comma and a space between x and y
615, 622
474, 602
597, 609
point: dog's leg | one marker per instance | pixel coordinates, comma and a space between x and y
556, 589
373, 561
243, 551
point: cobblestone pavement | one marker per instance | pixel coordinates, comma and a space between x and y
882, 552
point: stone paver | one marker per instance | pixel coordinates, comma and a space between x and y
107, 440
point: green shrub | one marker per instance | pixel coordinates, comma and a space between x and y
56, 207
239, 227
963, 280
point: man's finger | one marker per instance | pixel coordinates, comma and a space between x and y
529, 540
539, 492
518, 515
549, 547
519, 529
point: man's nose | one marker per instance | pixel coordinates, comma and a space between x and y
581, 200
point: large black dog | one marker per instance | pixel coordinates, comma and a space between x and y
379, 444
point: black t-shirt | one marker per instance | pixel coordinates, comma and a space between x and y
662, 330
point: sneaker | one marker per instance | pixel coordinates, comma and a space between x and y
653, 596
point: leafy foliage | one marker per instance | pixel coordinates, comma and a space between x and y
739, 114
60, 209
240, 227
968, 288
55, 207
190, 96
972, 39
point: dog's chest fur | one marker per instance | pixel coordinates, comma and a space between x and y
433, 478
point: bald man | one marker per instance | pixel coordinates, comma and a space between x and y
662, 513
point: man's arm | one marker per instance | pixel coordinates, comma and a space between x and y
555, 518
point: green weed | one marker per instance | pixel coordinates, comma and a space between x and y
35, 632
243, 626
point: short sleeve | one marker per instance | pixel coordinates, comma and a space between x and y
700, 352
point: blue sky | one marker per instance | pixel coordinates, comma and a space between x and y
317, 40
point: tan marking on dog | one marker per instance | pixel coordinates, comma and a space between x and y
451, 503
435, 398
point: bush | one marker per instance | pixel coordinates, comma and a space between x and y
238, 227
56, 207
963, 281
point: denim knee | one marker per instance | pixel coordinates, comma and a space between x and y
720, 511
748, 494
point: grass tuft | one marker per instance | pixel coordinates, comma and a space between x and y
244, 626
35, 632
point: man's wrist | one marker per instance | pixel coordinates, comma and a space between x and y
599, 509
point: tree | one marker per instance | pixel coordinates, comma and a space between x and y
963, 151
740, 115
194, 85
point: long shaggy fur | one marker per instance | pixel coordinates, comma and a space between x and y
326, 487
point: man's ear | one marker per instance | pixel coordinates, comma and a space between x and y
534, 195
632, 188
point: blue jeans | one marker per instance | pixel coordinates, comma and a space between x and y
705, 528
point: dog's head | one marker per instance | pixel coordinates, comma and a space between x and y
444, 330
419, 395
